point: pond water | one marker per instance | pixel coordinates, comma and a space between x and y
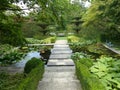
29, 55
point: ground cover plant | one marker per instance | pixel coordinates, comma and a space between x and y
96, 66
10, 54
107, 69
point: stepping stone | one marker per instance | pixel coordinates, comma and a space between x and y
67, 62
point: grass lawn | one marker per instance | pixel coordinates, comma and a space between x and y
61, 38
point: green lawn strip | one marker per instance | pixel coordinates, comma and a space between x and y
61, 38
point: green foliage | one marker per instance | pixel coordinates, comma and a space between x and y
88, 81
31, 64
44, 41
32, 79
10, 82
11, 57
10, 24
82, 58
72, 39
4, 48
10, 54
107, 70
49, 40
21, 81
11, 34
34, 41
103, 17
30, 30
98, 48
81, 46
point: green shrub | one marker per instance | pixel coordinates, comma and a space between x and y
32, 79
31, 64
88, 81
83, 62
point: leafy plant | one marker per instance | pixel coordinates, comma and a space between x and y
11, 57
107, 70
88, 81
81, 46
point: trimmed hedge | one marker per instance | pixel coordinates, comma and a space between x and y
32, 79
31, 64
88, 81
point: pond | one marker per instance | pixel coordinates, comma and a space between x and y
29, 55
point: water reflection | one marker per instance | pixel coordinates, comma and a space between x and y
29, 55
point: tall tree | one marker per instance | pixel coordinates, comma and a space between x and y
10, 23
103, 16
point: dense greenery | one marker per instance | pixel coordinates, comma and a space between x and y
101, 20
103, 73
72, 39
10, 54
98, 23
10, 24
107, 70
89, 82
44, 41
22, 81
10, 82
32, 79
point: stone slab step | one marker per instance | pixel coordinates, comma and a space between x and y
60, 56
61, 52
61, 46
60, 63
60, 69
57, 74
60, 84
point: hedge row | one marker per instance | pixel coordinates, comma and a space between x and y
32, 79
88, 81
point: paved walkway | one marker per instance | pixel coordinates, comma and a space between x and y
60, 70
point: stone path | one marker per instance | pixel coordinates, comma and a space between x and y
60, 70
